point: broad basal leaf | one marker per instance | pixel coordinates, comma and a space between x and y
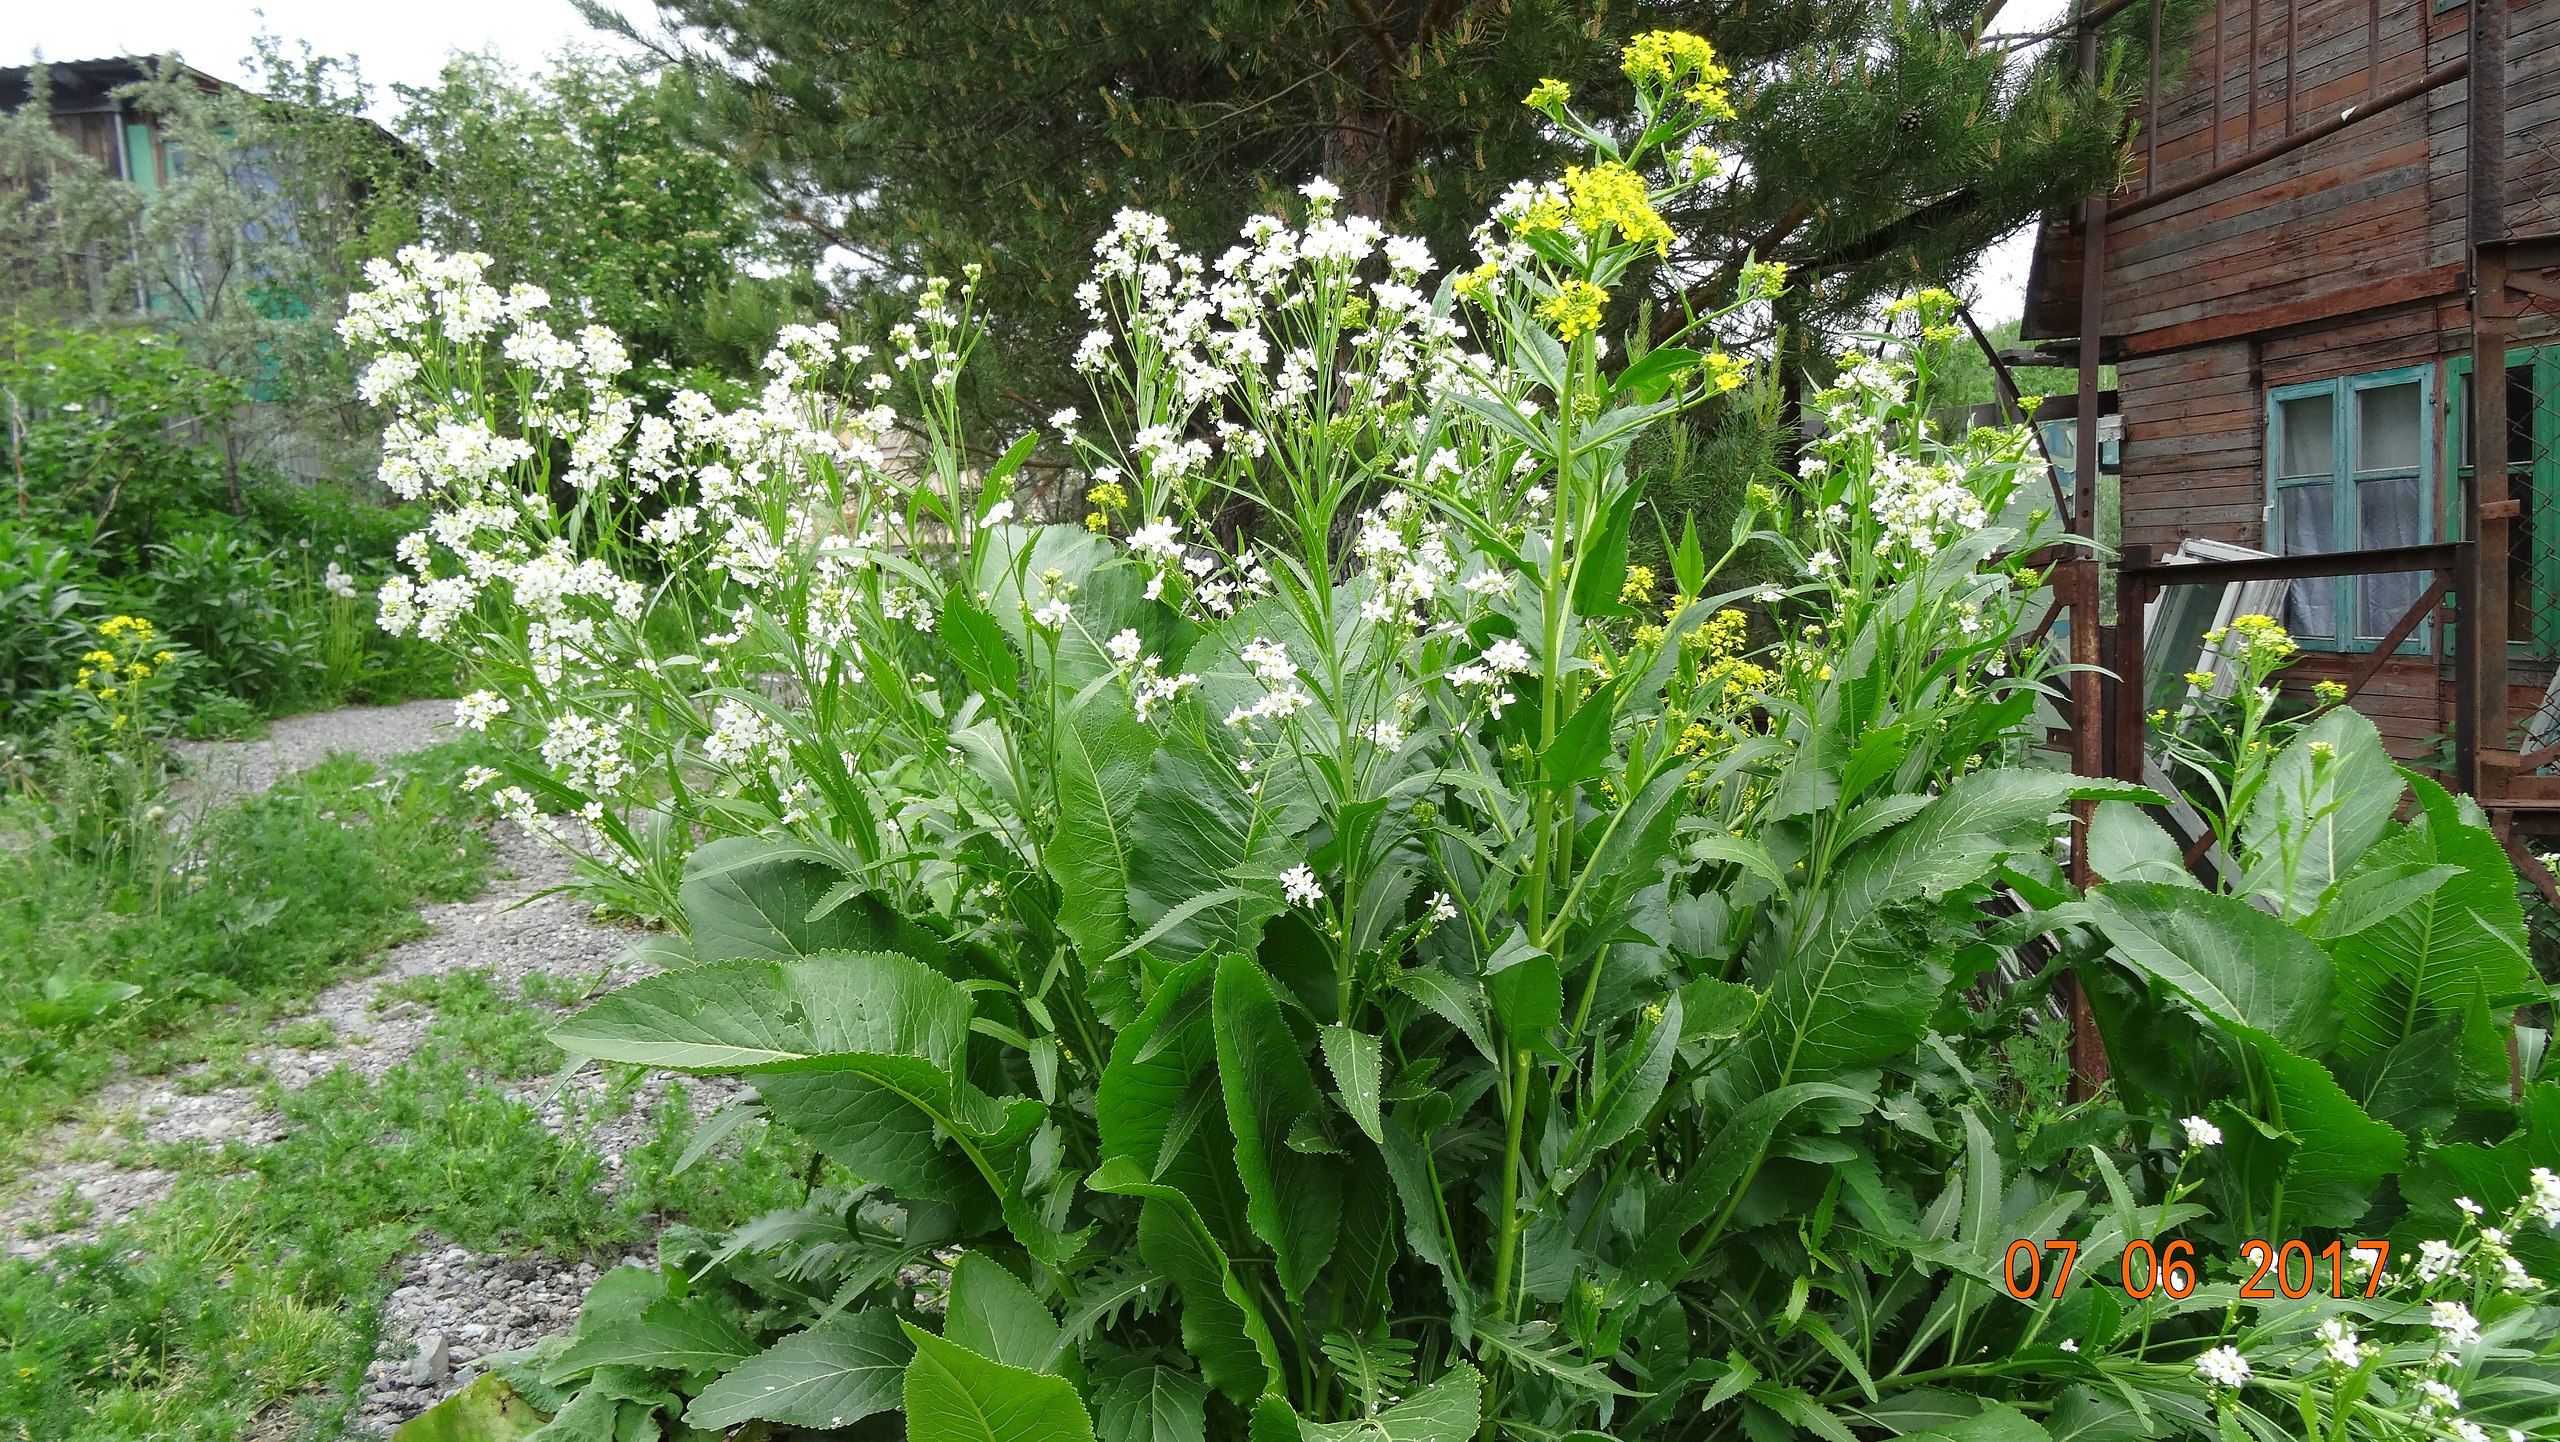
1295, 1198
1445, 1411
1102, 759
1153, 1404
955, 1395
2328, 797
829, 1014
671, 1335
2229, 960
834, 1374
1222, 1327
748, 897
1163, 1062
994, 1315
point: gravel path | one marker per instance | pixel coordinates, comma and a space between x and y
219, 770
449, 1307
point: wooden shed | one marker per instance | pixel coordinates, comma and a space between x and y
2311, 242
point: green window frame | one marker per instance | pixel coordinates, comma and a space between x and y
2533, 477
2352, 466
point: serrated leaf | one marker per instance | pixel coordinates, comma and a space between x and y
1293, 1199
954, 1395
1222, 1327
2230, 960
994, 1315
1154, 1404
769, 1016
668, 1336
1354, 1059
746, 897
1102, 757
1445, 1411
846, 1368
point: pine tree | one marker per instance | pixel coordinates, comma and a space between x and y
1878, 144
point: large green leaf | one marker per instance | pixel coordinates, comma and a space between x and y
826, 1014
1160, 1063
1222, 1327
748, 897
2340, 1153
1102, 761
2125, 844
1445, 1411
1355, 1059
1841, 989
1108, 598
2328, 797
955, 1395
978, 644
1154, 1404
1196, 831
1711, 1184
2229, 960
2457, 946
1294, 1198
671, 1335
836, 1373
994, 1315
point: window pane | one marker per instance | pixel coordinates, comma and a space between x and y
2303, 521
2386, 515
2390, 424
2307, 423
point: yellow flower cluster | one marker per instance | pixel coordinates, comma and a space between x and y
1675, 60
2258, 643
1638, 588
1548, 95
1610, 194
1473, 282
1574, 310
1720, 642
115, 672
1107, 497
1725, 372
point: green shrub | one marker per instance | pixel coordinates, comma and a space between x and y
1329, 948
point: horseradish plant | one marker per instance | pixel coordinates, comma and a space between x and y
1327, 947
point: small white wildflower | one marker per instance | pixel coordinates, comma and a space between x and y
2070, 1344
1124, 647
2436, 1257
1442, 908
2338, 1343
1299, 885
1053, 614
477, 778
475, 711
2223, 1367
2439, 1397
2469, 1207
997, 514
2454, 1322
2544, 1200
1506, 657
2201, 1133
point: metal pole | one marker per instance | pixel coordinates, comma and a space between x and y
2088, 758
2485, 598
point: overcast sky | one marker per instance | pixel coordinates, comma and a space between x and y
406, 41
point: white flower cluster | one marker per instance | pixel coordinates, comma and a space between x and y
1489, 673
1282, 696
1149, 687
1407, 557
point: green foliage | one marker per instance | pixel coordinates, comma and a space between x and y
264, 900
1356, 958
576, 181
256, 1283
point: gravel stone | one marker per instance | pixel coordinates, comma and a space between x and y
451, 1307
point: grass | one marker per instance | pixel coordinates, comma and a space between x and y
253, 1293
271, 898
248, 1302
